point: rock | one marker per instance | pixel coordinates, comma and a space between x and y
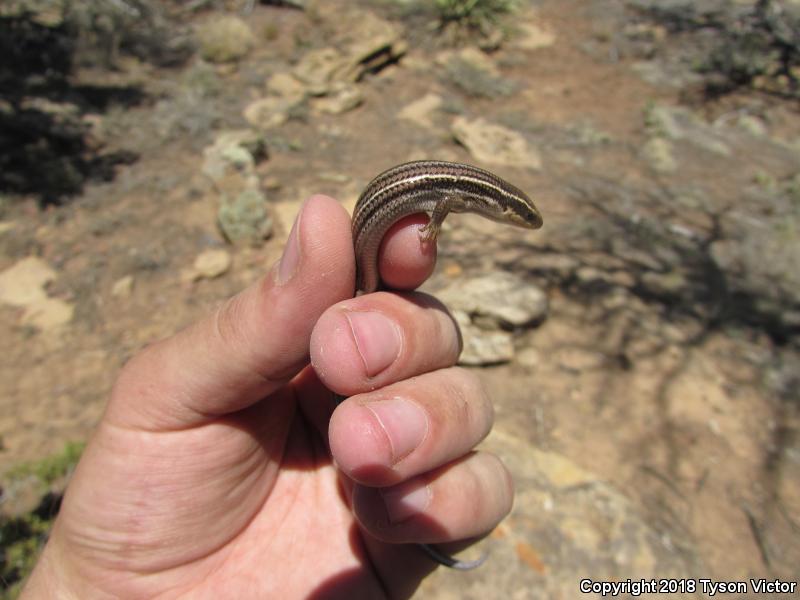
341, 98
679, 123
482, 347
370, 43
565, 520
224, 39
237, 157
482, 306
23, 285
212, 263
236, 150
48, 315
530, 36
589, 275
24, 282
752, 125
474, 73
6, 226
269, 112
500, 299
773, 284
285, 85
470, 56
659, 155
495, 144
230, 161
366, 43
123, 287
244, 219
421, 111
561, 265
287, 97
318, 69
670, 284
667, 72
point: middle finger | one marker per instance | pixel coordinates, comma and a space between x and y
384, 437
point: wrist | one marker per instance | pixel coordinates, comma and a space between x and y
50, 577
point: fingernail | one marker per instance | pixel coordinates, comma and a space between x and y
291, 252
404, 422
406, 500
377, 339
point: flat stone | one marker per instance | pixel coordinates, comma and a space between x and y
482, 347
48, 314
565, 520
665, 284
475, 73
24, 282
269, 112
233, 151
369, 42
212, 263
123, 287
532, 36
319, 68
341, 97
494, 144
285, 85
773, 283
23, 285
470, 56
421, 111
502, 299
561, 264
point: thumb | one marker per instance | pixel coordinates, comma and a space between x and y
253, 343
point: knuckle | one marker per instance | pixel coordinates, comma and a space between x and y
469, 401
227, 320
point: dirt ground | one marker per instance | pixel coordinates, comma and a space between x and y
685, 404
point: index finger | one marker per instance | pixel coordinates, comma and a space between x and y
404, 260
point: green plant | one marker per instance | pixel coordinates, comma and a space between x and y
755, 44
475, 13
51, 468
21, 540
462, 19
22, 537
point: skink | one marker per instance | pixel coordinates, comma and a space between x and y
437, 188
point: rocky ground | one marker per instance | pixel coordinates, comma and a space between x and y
641, 348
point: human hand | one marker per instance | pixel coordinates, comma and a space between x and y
209, 475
